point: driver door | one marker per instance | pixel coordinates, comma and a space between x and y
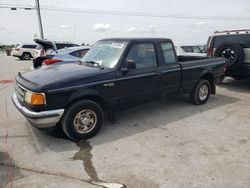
142, 83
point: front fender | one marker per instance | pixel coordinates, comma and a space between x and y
90, 95
81, 94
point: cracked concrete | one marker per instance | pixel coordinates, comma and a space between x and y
168, 143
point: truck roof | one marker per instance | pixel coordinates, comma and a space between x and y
231, 32
137, 39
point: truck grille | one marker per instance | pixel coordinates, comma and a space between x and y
20, 92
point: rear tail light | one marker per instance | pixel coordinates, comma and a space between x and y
17, 49
210, 52
42, 52
51, 61
225, 68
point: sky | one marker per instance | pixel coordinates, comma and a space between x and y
180, 21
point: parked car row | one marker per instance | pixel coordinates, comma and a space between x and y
46, 46
54, 52
27, 51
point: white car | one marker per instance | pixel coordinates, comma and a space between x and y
190, 51
24, 51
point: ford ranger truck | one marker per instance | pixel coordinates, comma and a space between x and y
115, 74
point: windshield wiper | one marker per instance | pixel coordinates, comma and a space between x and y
94, 63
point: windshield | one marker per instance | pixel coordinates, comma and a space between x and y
105, 53
39, 47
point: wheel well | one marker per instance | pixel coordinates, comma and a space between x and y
27, 53
209, 77
94, 98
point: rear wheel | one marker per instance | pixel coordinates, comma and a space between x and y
201, 92
26, 56
82, 120
237, 77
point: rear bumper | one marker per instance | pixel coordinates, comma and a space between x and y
16, 55
41, 120
242, 71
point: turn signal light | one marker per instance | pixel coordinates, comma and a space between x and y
35, 98
210, 52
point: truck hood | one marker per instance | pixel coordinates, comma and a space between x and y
49, 77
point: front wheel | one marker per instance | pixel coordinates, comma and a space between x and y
26, 56
201, 92
82, 120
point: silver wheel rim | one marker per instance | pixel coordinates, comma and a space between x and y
85, 121
26, 56
203, 92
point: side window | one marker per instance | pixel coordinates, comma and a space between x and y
143, 55
79, 53
68, 45
187, 49
60, 46
243, 39
168, 53
28, 46
196, 49
82, 53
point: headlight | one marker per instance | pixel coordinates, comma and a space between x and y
34, 98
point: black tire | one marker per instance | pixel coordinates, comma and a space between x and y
26, 56
220, 79
232, 52
237, 77
72, 116
197, 93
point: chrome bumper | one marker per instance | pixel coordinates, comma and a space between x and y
41, 120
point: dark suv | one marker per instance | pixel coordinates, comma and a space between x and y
234, 46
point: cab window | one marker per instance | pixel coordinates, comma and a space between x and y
168, 52
143, 55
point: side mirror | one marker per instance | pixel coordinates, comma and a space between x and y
130, 64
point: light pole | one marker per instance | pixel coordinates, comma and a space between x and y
39, 19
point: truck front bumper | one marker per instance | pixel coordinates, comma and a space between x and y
41, 120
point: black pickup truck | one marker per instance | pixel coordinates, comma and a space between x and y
115, 74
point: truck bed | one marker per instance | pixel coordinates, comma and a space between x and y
190, 58
193, 67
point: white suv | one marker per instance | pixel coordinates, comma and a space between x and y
24, 51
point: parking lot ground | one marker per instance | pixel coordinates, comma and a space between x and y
169, 143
